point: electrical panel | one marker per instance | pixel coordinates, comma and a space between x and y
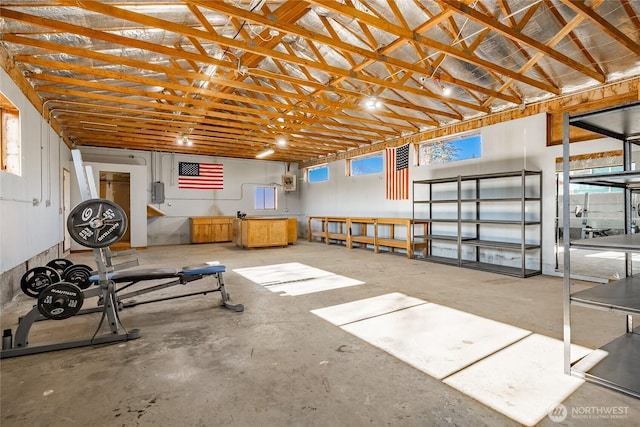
157, 192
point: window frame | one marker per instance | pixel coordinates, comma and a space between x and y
264, 189
307, 173
421, 158
376, 155
10, 137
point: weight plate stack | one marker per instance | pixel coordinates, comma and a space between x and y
37, 279
97, 223
59, 264
78, 274
60, 301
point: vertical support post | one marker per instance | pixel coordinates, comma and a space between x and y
628, 220
523, 221
566, 240
541, 207
81, 175
459, 205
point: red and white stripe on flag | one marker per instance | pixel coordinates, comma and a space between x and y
397, 173
200, 176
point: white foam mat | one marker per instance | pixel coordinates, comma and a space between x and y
437, 340
309, 286
525, 381
365, 308
295, 279
281, 273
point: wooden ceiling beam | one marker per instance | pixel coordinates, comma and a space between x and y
179, 53
343, 139
412, 35
510, 33
380, 55
151, 82
583, 10
566, 30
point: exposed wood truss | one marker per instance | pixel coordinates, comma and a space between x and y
226, 78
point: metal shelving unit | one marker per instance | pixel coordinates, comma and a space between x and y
482, 215
620, 369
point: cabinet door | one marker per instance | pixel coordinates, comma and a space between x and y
200, 230
292, 230
221, 231
266, 233
277, 233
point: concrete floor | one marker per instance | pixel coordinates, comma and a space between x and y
277, 364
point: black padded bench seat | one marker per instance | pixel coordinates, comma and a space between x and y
143, 274
190, 273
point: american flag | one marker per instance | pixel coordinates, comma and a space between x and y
397, 173
200, 176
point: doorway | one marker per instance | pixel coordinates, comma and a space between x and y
116, 186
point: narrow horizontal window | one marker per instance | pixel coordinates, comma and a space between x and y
318, 174
451, 150
366, 165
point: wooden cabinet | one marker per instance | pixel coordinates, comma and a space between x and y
210, 229
292, 230
261, 232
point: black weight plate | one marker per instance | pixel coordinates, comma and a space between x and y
59, 264
36, 279
78, 274
60, 301
97, 223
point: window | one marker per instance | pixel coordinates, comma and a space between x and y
318, 173
451, 150
9, 136
265, 198
585, 188
366, 165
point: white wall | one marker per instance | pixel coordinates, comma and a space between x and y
30, 205
511, 146
138, 208
241, 177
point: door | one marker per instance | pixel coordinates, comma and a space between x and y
116, 186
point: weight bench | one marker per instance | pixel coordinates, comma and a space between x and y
98, 223
186, 275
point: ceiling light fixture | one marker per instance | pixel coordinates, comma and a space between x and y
184, 139
265, 153
446, 91
372, 103
98, 123
281, 140
99, 130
